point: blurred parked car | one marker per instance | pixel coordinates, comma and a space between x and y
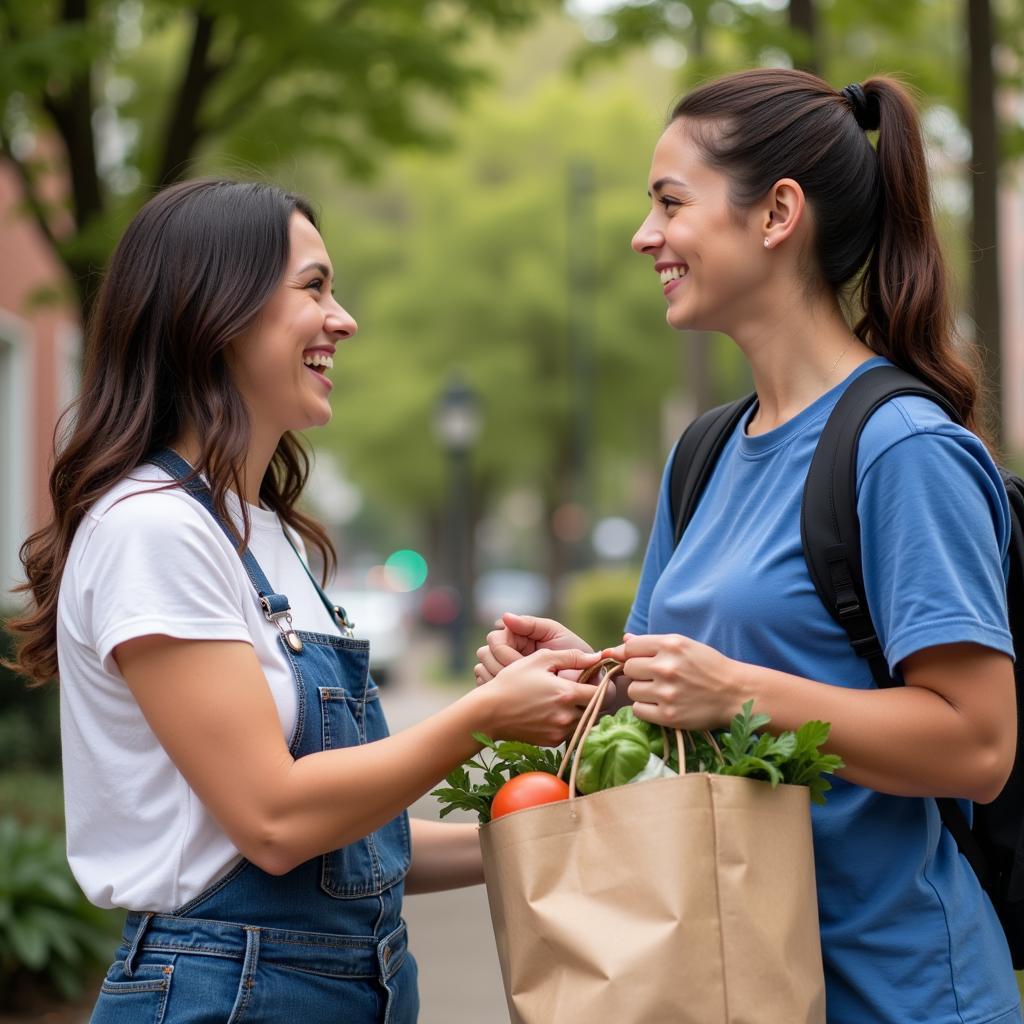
510, 590
380, 616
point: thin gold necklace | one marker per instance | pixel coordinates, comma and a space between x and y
839, 358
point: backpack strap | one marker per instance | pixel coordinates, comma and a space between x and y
829, 525
830, 533
695, 457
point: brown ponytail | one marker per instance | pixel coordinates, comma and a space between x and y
904, 291
870, 206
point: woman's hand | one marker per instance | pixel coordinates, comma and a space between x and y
531, 700
518, 636
677, 682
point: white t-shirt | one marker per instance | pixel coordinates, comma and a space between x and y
145, 562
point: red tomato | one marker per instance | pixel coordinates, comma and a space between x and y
528, 790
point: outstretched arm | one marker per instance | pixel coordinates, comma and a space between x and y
950, 731
211, 709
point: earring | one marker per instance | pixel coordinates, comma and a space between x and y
767, 244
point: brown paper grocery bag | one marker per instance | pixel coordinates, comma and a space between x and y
687, 900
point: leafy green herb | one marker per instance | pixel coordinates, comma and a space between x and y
498, 762
794, 758
790, 757
808, 766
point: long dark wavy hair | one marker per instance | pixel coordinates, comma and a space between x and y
191, 273
871, 204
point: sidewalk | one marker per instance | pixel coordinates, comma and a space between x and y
449, 933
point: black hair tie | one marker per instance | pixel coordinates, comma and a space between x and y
865, 108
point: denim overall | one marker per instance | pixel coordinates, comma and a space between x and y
324, 942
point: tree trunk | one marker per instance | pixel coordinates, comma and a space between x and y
183, 130
803, 18
72, 114
558, 495
984, 237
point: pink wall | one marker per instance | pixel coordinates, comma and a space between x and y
27, 264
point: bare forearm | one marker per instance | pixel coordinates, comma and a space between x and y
907, 740
332, 798
444, 856
209, 706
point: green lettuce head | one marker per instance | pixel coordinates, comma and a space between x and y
616, 751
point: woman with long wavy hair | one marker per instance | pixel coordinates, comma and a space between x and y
769, 207
229, 778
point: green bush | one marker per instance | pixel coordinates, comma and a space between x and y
32, 795
29, 719
51, 937
597, 602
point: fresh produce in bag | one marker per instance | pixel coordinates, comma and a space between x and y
690, 898
623, 749
617, 750
499, 763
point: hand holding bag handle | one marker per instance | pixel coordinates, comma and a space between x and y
610, 668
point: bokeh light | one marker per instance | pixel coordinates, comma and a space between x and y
406, 570
440, 606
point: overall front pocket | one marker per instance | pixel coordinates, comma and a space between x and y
377, 861
140, 999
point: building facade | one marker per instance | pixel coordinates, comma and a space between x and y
39, 354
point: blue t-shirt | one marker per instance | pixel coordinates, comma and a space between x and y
907, 933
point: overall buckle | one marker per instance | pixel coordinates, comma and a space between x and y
291, 638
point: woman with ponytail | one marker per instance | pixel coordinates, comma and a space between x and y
228, 775
776, 221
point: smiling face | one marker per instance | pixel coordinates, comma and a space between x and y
280, 365
709, 254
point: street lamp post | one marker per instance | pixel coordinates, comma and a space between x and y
458, 426
581, 285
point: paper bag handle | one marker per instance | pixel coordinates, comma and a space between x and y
610, 668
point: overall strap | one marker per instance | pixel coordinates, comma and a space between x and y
695, 457
338, 613
276, 608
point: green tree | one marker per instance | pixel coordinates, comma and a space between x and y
129, 95
463, 262
984, 228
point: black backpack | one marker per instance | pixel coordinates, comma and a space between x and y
830, 532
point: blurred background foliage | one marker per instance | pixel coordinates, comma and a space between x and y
480, 167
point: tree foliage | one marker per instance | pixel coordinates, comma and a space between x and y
129, 95
463, 263
920, 39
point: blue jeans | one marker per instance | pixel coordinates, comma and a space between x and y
193, 971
